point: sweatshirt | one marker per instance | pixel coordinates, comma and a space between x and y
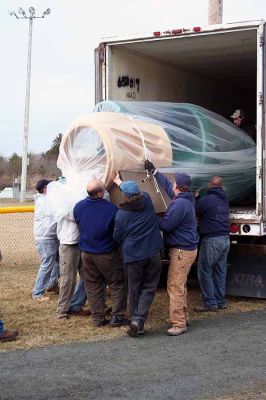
44, 222
67, 230
95, 219
137, 229
213, 213
179, 222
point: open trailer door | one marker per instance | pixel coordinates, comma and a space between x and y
262, 107
247, 272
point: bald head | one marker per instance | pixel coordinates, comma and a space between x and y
95, 188
216, 182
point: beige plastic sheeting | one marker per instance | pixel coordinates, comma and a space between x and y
97, 144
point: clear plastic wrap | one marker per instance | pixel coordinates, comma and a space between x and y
203, 143
176, 137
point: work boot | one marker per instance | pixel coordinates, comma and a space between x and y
169, 323
205, 309
119, 321
79, 313
8, 336
175, 331
99, 323
108, 310
54, 289
223, 306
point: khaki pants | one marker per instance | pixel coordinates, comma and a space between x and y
180, 264
99, 269
70, 264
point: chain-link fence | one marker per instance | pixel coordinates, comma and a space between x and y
17, 243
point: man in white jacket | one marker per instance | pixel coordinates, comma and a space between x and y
46, 243
70, 262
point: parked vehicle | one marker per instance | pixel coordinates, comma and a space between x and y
222, 68
7, 193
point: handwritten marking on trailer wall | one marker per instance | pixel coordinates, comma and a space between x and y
131, 82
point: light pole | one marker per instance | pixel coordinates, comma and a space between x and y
215, 15
22, 14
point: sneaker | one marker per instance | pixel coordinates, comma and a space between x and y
8, 336
54, 289
100, 323
41, 299
175, 331
119, 321
80, 313
134, 329
63, 316
205, 309
141, 331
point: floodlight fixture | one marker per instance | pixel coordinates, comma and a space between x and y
12, 12
32, 11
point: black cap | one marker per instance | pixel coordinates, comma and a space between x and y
41, 184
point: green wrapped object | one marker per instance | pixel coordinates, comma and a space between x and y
203, 143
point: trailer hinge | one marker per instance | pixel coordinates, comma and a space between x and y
101, 52
259, 208
262, 40
261, 98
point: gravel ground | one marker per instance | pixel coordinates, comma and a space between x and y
217, 358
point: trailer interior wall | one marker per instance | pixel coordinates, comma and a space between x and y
216, 71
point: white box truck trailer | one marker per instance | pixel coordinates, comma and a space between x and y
221, 68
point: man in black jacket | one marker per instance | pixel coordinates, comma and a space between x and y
213, 222
137, 229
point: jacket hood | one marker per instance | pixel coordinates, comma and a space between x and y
137, 205
186, 195
218, 192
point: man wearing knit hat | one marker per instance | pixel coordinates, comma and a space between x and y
180, 231
137, 229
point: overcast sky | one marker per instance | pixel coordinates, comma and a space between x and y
62, 84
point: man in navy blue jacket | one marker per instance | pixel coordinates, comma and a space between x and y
180, 231
213, 217
137, 229
95, 217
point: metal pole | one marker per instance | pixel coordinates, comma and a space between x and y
26, 120
215, 12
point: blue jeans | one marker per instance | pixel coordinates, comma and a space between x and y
212, 268
1, 326
79, 297
49, 268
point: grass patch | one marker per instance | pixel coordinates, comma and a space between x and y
254, 393
39, 326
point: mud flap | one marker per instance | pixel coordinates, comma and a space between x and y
246, 275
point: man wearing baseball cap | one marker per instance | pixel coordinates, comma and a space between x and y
180, 231
137, 229
241, 121
46, 243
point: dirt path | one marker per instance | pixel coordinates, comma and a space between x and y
217, 358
